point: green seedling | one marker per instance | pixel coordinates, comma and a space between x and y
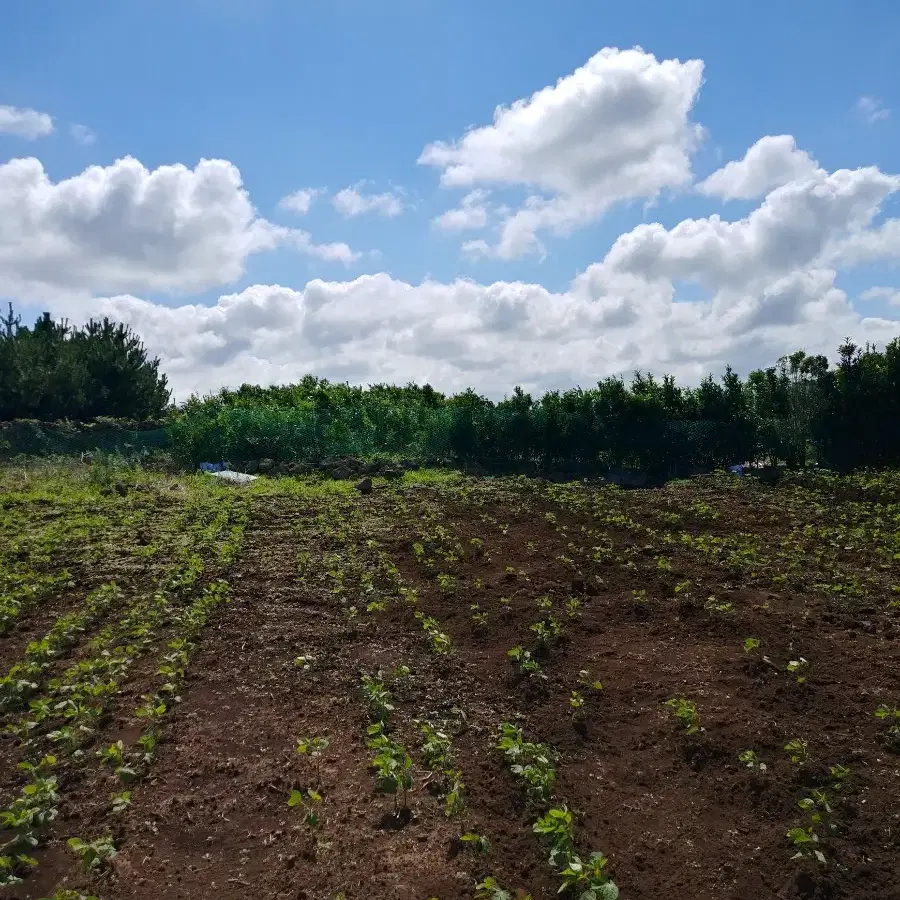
720, 606
798, 751
377, 698
573, 607
96, 854
392, 764
531, 763
685, 711
454, 798
891, 715
120, 802
555, 829
435, 747
547, 631
314, 748
749, 759
478, 842
524, 661
751, 645
798, 668
490, 889
585, 679
589, 878
308, 801
576, 704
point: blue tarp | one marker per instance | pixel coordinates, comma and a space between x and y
213, 467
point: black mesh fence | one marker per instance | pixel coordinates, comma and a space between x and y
26, 438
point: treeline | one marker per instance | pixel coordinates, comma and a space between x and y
797, 411
54, 371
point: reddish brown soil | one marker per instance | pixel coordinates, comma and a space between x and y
678, 815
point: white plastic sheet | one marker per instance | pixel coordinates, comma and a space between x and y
233, 477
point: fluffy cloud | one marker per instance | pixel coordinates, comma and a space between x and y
797, 225
351, 202
471, 214
616, 129
300, 201
889, 295
25, 123
771, 162
766, 279
124, 228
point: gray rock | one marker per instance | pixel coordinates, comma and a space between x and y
365, 486
265, 465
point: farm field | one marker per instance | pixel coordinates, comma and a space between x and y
449, 688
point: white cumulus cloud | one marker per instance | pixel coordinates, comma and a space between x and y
616, 129
768, 289
25, 123
300, 201
470, 215
352, 202
126, 228
771, 162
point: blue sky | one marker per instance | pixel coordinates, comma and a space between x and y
300, 95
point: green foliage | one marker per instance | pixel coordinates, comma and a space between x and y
477, 841
392, 764
94, 854
891, 715
798, 751
847, 413
589, 878
524, 661
435, 747
749, 759
531, 763
308, 801
490, 889
686, 712
53, 371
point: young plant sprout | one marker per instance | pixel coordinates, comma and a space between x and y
392, 764
120, 802
523, 659
686, 712
576, 704
798, 668
798, 751
435, 748
891, 715
94, 854
589, 878
477, 841
490, 889
749, 759
308, 801
585, 679
314, 747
